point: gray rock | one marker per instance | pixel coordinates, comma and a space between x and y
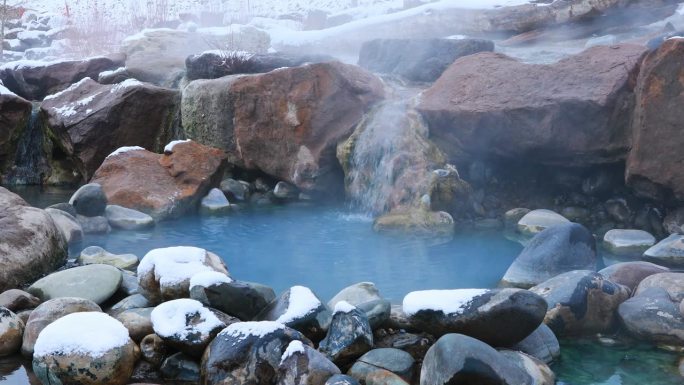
241, 299
556, 250
393, 360
236, 190
348, 338
97, 255
66, 207
129, 283
513, 216
11, 331
186, 325
377, 311
215, 203
631, 274
304, 365
94, 225
651, 315
581, 302
673, 283
341, 379
628, 243
299, 308
414, 344
668, 252
542, 344
180, 367
153, 349
537, 370
127, 219
137, 321
384, 377
284, 190
135, 301
456, 358
618, 210
89, 200
93, 282
537, 221
16, 300
67, 224
356, 294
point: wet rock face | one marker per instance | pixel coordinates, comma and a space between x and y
90, 120
285, 123
174, 182
657, 122
15, 113
349, 337
577, 112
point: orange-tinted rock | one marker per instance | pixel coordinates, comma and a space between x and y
162, 186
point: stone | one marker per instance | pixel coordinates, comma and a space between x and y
671, 282
356, 294
414, 344
349, 336
16, 300
113, 76
619, 210
300, 309
164, 274
285, 191
418, 222
393, 360
97, 255
650, 165
247, 352
69, 351
67, 224
175, 181
420, 60
37, 80
153, 350
180, 367
15, 112
631, 274
91, 121
47, 313
32, 245
127, 219
11, 331
89, 200
235, 190
135, 301
129, 283
66, 207
628, 243
456, 358
215, 203
244, 300
513, 216
651, 315
674, 221
304, 365
377, 311
96, 283
538, 371
186, 325
555, 250
581, 302
536, 221
668, 252
94, 225
323, 101
341, 379
500, 317
475, 107
541, 344
137, 321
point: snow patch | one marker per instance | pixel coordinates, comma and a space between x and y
122, 150
128, 83
302, 303
343, 307
209, 278
88, 333
446, 301
169, 147
117, 71
170, 319
68, 89
174, 265
259, 329
293, 348
5, 91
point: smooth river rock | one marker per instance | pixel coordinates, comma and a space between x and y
92, 282
628, 243
668, 252
89, 200
541, 344
395, 361
651, 315
631, 274
11, 332
240, 299
127, 219
67, 224
97, 255
672, 282
349, 335
299, 308
304, 365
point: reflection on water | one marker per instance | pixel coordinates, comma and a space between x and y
16, 371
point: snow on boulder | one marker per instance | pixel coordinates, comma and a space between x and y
343, 307
209, 278
169, 147
445, 301
164, 274
186, 325
84, 348
300, 309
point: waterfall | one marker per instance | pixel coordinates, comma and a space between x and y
31, 166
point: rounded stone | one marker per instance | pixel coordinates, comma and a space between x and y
67, 224
537, 221
393, 360
631, 274
97, 255
92, 282
541, 344
137, 321
356, 294
16, 300
11, 331
652, 316
668, 252
628, 243
89, 200
672, 283
215, 203
127, 219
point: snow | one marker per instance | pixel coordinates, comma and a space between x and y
117, 71
343, 307
122, 150
90, 333
209, 278
293, 348
446, 301
169, 147
170, 319
302, 302
174, 265
5, 91
68, 89
126, 84
259, 329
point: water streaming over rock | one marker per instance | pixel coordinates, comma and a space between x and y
31, 164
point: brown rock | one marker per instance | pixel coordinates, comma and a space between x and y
14, 116
285, 123
162, 186
630, 274
11, 330
656, 153
16, 300
90, 120
574, 112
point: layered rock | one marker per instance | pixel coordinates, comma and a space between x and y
285, 123
162, 186
89, 121
15, 113
574, 112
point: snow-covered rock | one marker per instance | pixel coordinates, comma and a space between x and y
300, 309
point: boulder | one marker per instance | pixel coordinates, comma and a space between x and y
356, 294
215, 203
651, 315
96, 283
459, 359
555, 250
11, 331
377, 311
47, 313
420, 60
349, 336
162, 186
97, 255
15, 113
240, 299
164, 274
138, 322
536, 221
292, 133
89, 200
628, 243
16, 300
300, 309
30, 243
668, 252
72, 350
673, 283
414, 344
235, 190
541, 344
416, 221
304, 365
500, 317
247, 353
90, 121
135, 301
378, 360
581, 302
186, 325
575, 112
153, 349
655, 142
94, 225
67, 224
538, 371
631, 274
127, 219
180, 368
36, 80
341, 379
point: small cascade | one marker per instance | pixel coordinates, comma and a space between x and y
31, 165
